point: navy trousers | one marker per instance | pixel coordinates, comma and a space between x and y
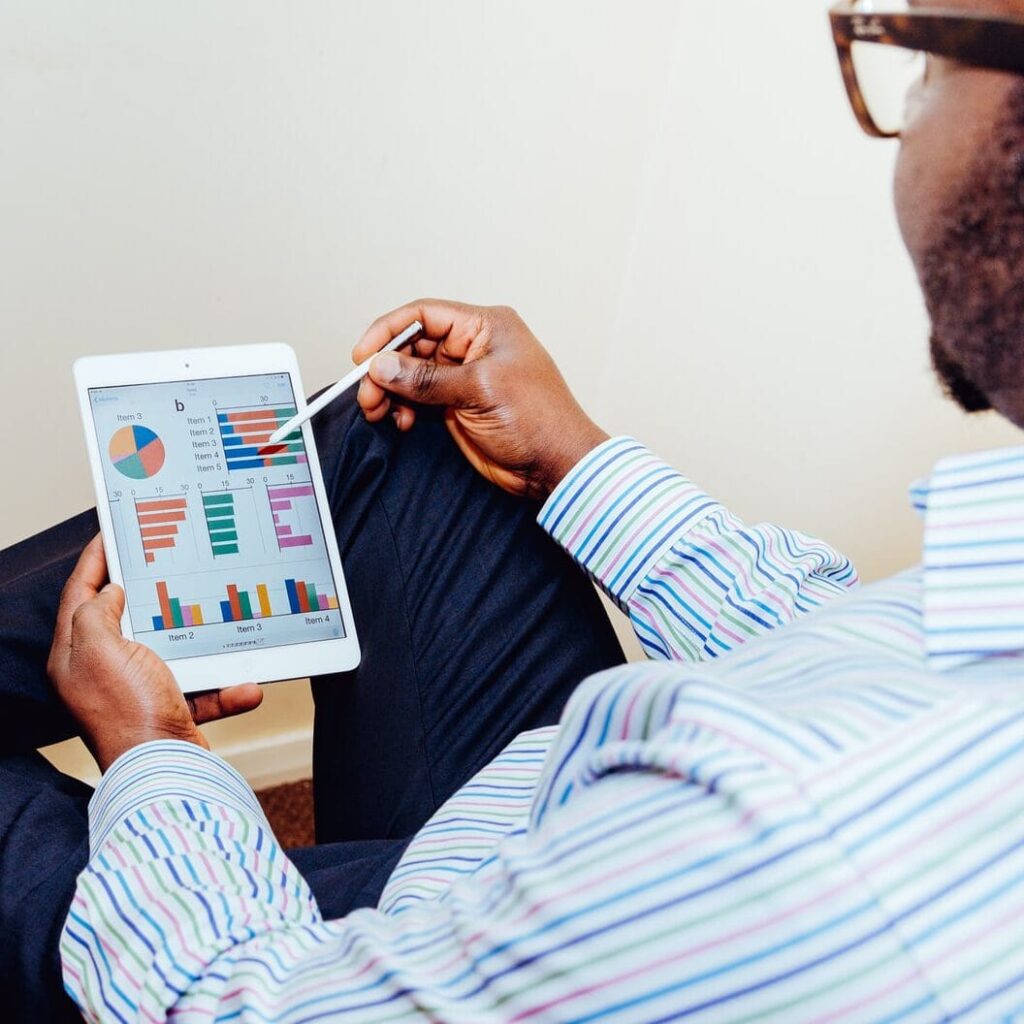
474, 626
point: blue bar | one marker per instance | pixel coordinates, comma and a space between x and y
222, 417
293, 596
241, 453
245, 464
158, 622
225, 611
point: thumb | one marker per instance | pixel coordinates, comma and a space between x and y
425, 381
109, 602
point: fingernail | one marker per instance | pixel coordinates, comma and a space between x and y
386, 367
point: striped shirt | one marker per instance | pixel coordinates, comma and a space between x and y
818, 822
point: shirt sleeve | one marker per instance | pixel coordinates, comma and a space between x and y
694, 579
655, 881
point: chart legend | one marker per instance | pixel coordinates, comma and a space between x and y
245, 434
160, 520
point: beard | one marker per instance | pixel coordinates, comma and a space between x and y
973, 275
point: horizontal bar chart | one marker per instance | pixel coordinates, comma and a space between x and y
245, 435
159, 522
221, 524
283, 499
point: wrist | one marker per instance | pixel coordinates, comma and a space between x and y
572, 448
108, 749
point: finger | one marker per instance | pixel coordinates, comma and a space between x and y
442, 321
235, 700
85, 580
425, 381
370, 394
99, 618
404, 418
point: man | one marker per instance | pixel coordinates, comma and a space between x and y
808, 805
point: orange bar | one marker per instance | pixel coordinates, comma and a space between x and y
332, 602
149, 556
161, 517
165, 605
164, 505
197, 615
261, 593
236, 605
255, 414
152, 543
159, 531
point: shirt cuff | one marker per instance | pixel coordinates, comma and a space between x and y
165, 770
619, 510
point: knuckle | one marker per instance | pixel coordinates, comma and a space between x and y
425, 378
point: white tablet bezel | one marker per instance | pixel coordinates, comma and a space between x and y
215, 671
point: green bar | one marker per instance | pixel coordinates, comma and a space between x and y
314, 604
243, 600
179, 622
285, 414
225, 549
216, 536
220, 512
282, 460
218, 499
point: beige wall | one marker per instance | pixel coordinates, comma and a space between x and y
672, 193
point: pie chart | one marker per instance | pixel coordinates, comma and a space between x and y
136, 452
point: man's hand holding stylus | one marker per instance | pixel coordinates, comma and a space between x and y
506, 404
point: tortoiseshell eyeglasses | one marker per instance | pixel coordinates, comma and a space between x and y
884, 49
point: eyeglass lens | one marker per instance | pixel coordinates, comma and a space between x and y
886, 74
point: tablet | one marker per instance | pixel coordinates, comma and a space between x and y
222, 542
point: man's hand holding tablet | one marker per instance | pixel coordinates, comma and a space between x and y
120, 692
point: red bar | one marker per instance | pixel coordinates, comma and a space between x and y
236, 605
303, 596
161, 517
158, 531
165, 605
255, 414
151, 543
166, 505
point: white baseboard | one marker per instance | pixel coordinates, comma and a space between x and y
273, 760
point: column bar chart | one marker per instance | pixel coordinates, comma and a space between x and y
159, 521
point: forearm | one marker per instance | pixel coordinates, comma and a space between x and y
694, 579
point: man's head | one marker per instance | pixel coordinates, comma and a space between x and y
960, 203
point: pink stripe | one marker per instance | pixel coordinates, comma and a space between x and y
627, 546
608, 499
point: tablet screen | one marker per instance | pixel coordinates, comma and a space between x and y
218, 533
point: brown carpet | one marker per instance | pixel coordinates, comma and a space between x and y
289, 809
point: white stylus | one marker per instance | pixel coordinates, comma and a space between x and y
351, 378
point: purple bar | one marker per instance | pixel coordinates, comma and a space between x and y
280, 506
295, 542
300, 458
302, 491
186, 615
322, 601
277, 518
282, 530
